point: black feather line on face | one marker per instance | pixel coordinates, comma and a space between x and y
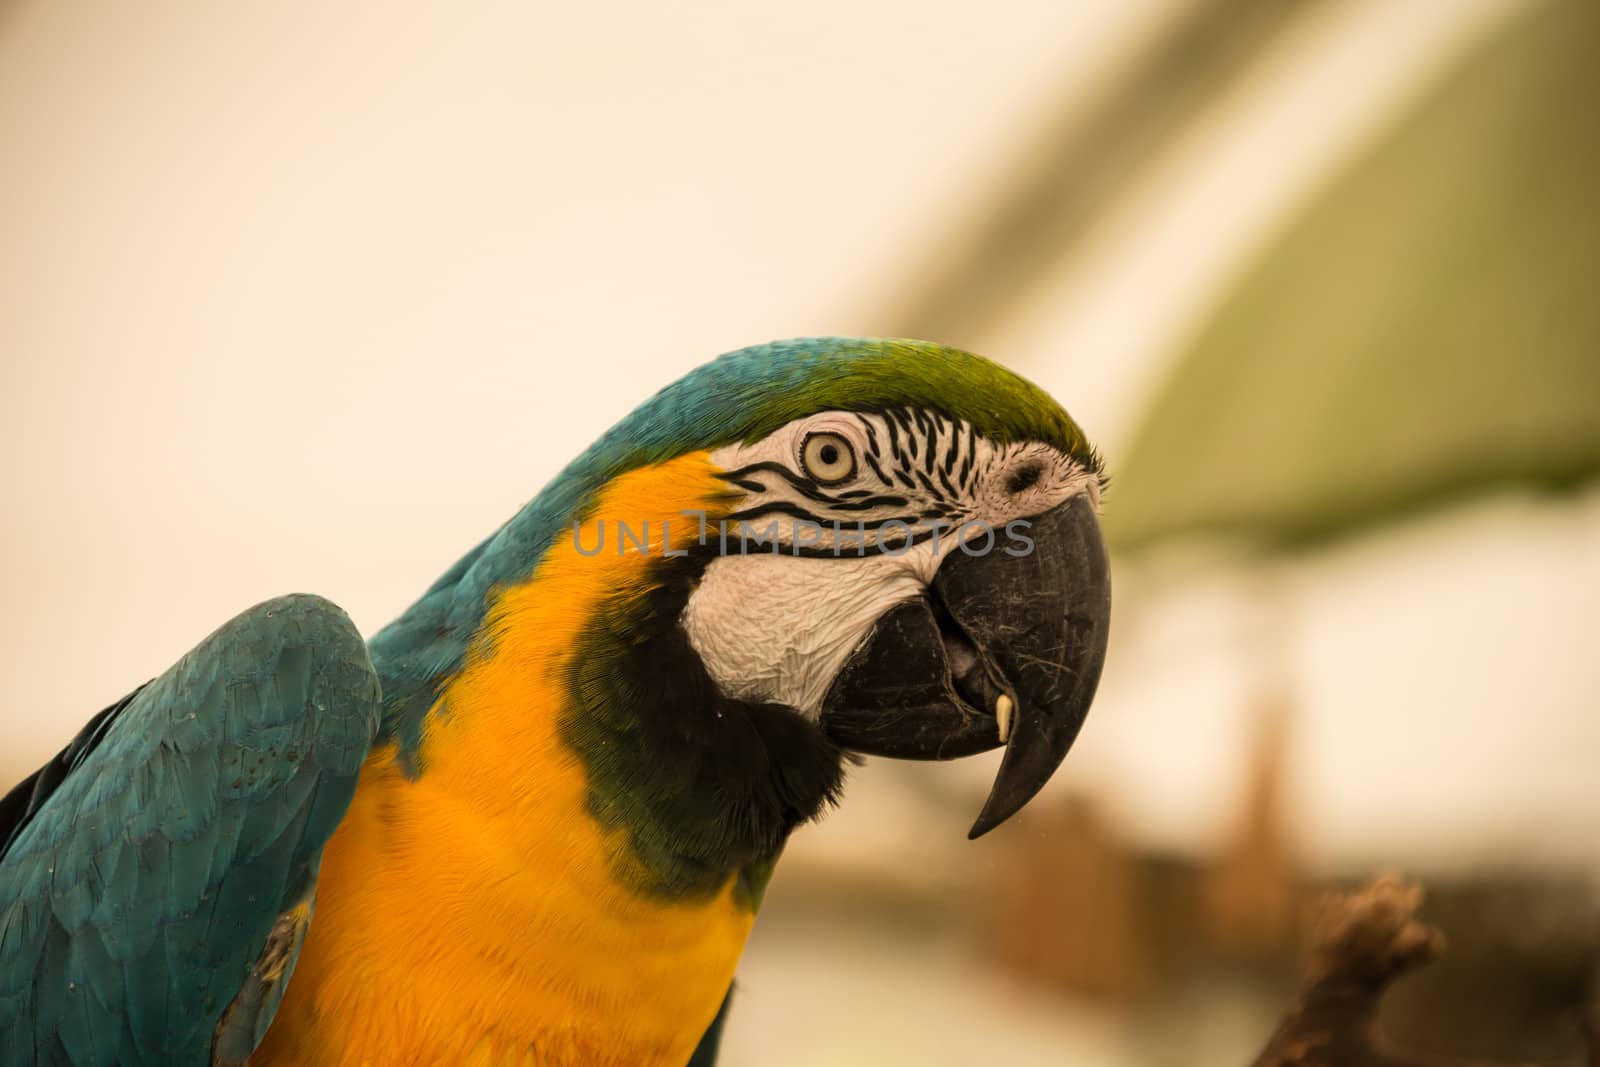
931, 428
799, 481
795, 511
872, 435
894, 439
871, 502
854, 551
929, 486
900, 416
908, 434
850, 534
850, 501
952, 452
877, 470
812, 491
777, 507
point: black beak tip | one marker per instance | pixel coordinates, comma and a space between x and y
1026, 768
987, 820
1007, 797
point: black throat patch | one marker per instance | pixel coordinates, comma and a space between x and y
706, 786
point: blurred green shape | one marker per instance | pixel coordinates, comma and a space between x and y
1428, 329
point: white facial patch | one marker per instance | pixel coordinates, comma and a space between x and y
777, 628
809, 564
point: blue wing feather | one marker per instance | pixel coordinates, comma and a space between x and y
705, 1053
143, 870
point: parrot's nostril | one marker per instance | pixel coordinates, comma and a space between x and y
1024, 478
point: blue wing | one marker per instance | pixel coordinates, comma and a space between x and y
705, 1053
156, 878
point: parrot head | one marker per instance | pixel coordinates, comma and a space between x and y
912, 560
797, 553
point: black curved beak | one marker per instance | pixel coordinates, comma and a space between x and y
1006, 648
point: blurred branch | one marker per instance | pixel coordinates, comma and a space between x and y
1082, 159
1361, 943
1591, 1018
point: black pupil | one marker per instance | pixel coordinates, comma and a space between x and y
829, 454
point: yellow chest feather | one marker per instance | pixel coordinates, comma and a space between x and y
473, 915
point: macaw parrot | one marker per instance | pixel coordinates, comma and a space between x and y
531, 821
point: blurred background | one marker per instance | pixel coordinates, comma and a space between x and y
310, 297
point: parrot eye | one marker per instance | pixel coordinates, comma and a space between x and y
828, 458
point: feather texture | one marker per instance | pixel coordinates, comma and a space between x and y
151, 860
